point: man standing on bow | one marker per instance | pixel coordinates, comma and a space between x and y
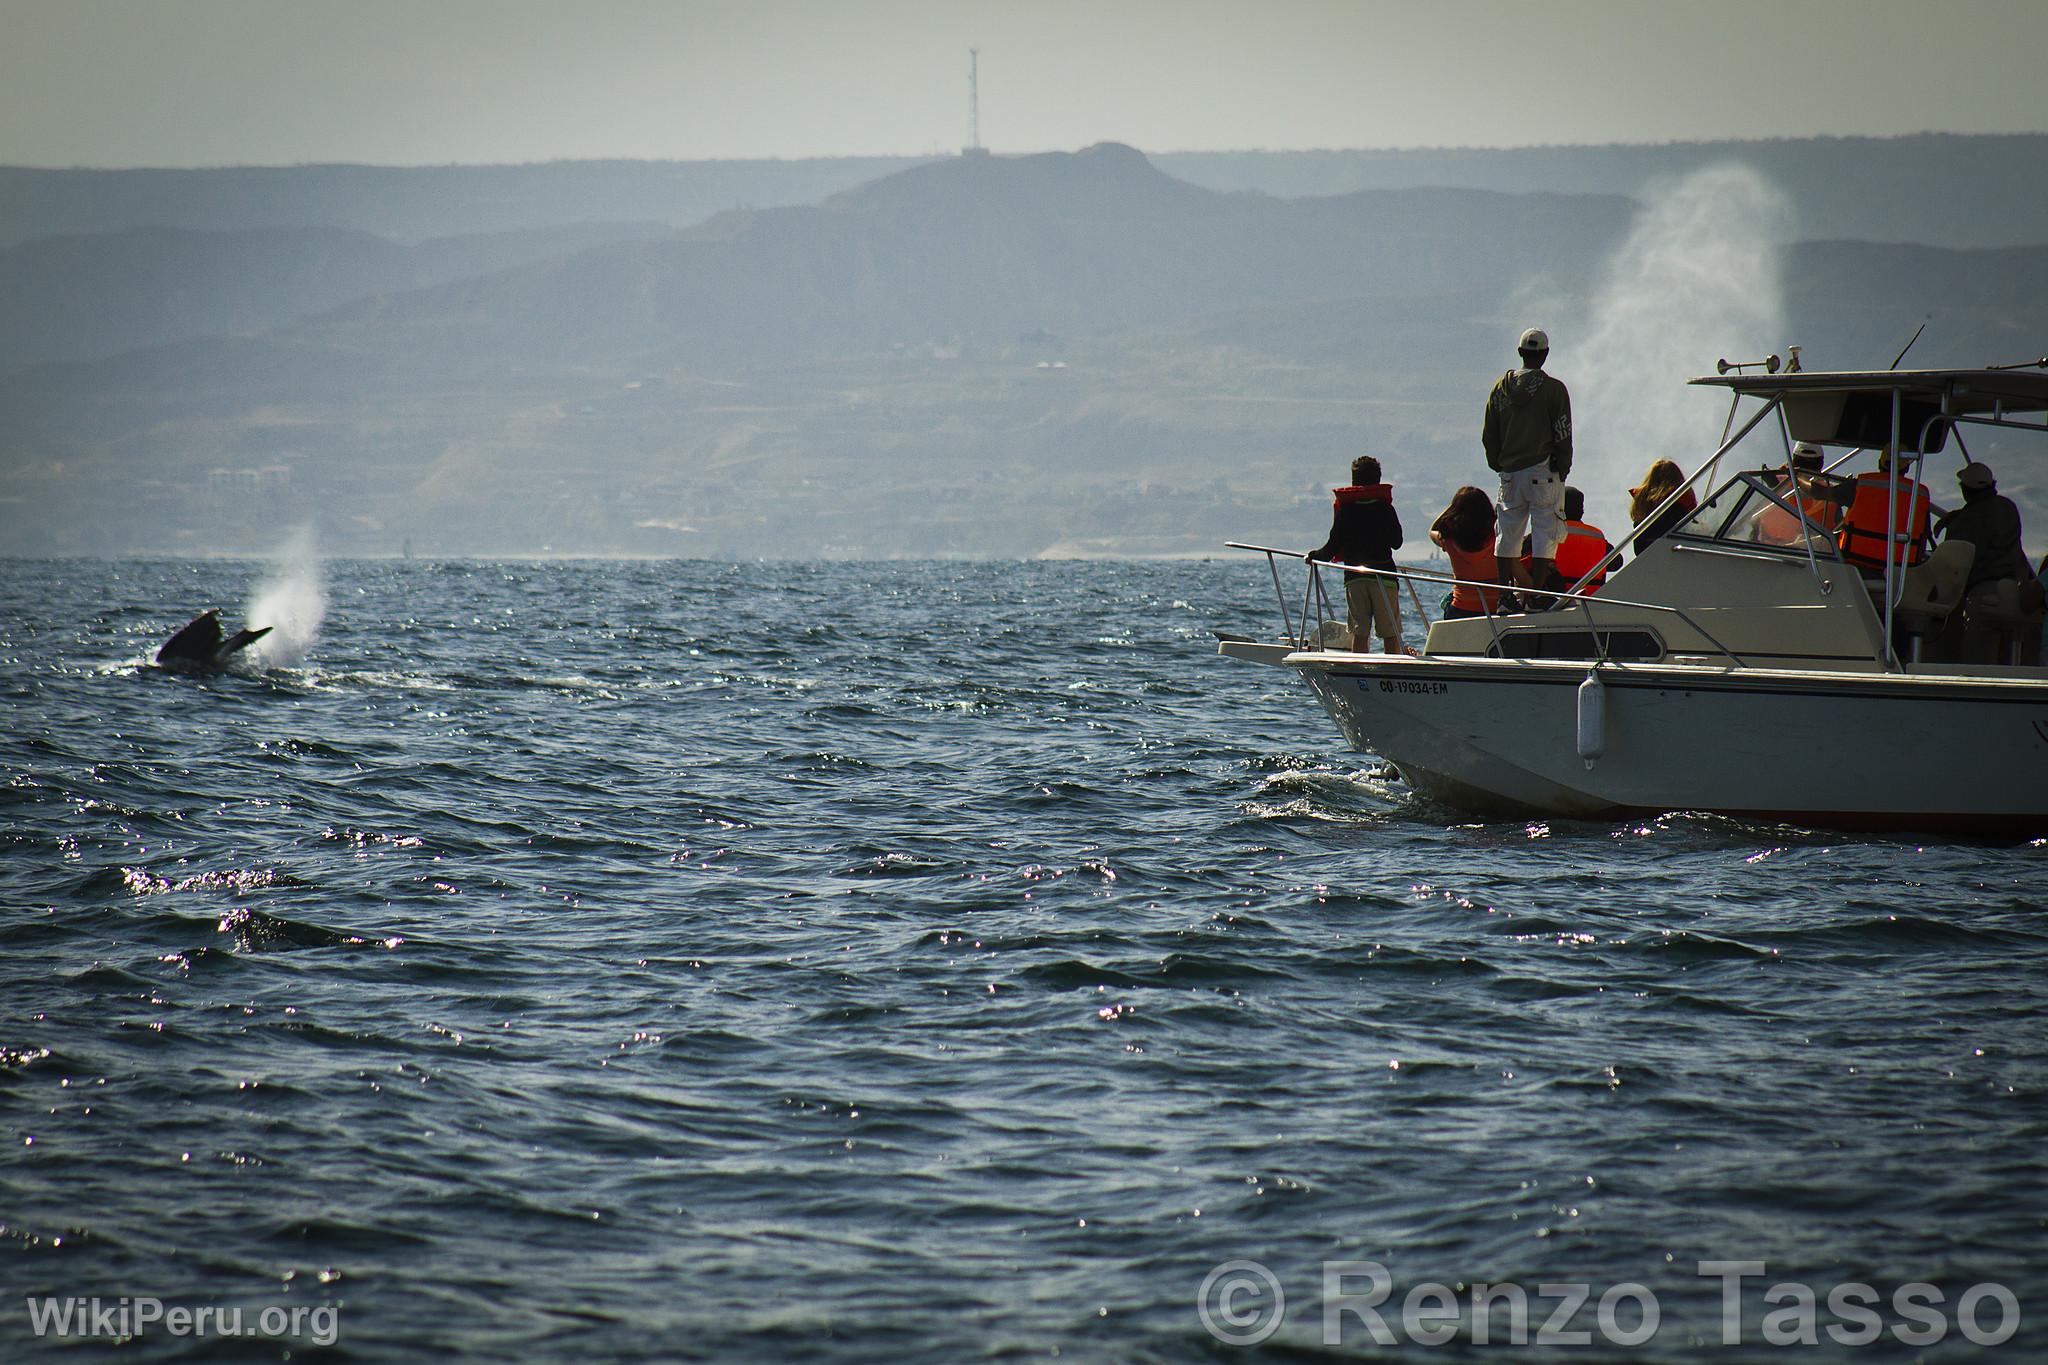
1528, 439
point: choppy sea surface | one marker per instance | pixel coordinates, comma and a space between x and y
618, 961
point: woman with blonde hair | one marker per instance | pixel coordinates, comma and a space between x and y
1658, 483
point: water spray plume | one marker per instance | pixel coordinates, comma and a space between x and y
1699, 277
292, 600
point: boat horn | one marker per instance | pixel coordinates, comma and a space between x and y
1769, 364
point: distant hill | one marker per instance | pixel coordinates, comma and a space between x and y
92, 296
1862, 300
1042, 253
984, 355
974, 252
1936, 189
413, 203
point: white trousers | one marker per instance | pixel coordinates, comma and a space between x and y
1529, 499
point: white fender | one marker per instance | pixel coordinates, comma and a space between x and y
1592, 718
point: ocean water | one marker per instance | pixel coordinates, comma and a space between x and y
619, 961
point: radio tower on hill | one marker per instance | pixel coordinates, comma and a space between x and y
974, 147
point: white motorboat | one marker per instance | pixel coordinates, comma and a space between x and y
1720, 670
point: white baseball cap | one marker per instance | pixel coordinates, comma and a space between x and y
1535, 339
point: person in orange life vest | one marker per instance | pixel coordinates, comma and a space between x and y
1365, 530
1584, 545
1583, 548
1464, 531
1659, 481
1863, 537
1801, 483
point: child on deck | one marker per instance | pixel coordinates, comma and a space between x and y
1365, 530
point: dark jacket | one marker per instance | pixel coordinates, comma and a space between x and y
1990, 522
1528, 421
1364, 529
1672, 517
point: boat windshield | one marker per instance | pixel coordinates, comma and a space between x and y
1761, 509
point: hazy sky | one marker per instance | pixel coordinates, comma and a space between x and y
217, 82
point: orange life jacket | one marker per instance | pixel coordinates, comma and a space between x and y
1862, 537
1364, 538
1361, 492
1477, 564
1583, 546
1776, 526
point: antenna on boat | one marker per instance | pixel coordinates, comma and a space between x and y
1907, 347
1769, 364
2022, 365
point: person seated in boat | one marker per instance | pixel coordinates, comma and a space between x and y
2034, 599
1801, 483
1995, 591
1584, 545
1366, 530
1659, 482
1863, 537
1582, 550
1464, 531
1990, 521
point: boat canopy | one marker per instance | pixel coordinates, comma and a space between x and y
1855, 407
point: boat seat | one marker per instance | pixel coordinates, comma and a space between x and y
1995, 608
1930, 593
1333, 635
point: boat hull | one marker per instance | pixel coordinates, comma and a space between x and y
1835, 750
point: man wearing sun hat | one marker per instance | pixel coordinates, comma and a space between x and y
2002, 622
1991, 522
